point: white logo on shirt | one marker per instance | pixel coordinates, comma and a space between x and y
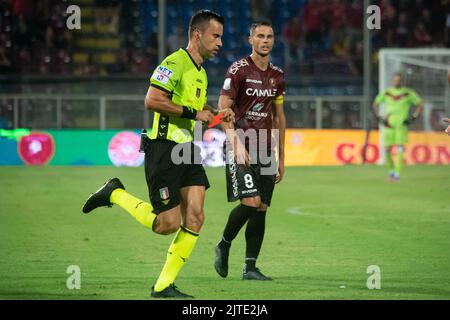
255, 115
261, 93
238, 64
276, 68
253, 81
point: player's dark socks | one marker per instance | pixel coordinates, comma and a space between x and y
238, 217
254, 233
250, 263
224, 244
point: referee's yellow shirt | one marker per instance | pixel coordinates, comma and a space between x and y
186, 82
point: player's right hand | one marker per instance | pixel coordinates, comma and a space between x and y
228, 115
204, 116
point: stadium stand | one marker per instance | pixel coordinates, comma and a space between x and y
317, 37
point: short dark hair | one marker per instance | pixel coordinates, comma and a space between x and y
201, 17
260, 23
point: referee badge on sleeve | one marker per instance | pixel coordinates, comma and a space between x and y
162, 74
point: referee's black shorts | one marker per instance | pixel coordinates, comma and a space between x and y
165, 178
249, 181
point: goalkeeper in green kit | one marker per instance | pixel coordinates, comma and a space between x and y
397, 100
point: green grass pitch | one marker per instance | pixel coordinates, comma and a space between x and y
325, 227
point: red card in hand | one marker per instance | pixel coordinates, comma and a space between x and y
216, 120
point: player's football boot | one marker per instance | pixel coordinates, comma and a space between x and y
100, 198
394, 177
255, 274
170, 292
221, 262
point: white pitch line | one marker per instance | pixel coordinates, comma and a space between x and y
297, 211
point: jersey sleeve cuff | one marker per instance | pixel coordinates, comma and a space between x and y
228, 94
160, 88
279, 99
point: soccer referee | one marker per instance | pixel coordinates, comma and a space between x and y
177, 95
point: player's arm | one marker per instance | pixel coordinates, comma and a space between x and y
447, 120
279, 122
225, 103
158, 100
227, 97
418, 105
418, 110
240, 153
376, 108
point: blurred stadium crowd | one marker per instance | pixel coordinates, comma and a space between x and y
117, 37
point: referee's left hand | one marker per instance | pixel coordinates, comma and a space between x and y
204, 116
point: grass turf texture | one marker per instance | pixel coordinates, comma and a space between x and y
325, 227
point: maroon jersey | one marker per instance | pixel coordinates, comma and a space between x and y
253, 92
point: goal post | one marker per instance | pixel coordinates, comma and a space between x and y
425, 70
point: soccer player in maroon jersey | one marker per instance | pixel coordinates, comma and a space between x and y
253, 89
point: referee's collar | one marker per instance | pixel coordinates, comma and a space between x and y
198, 66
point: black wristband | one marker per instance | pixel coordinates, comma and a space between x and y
189, 113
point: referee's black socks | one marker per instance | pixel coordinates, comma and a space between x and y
238, 217
254, 235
